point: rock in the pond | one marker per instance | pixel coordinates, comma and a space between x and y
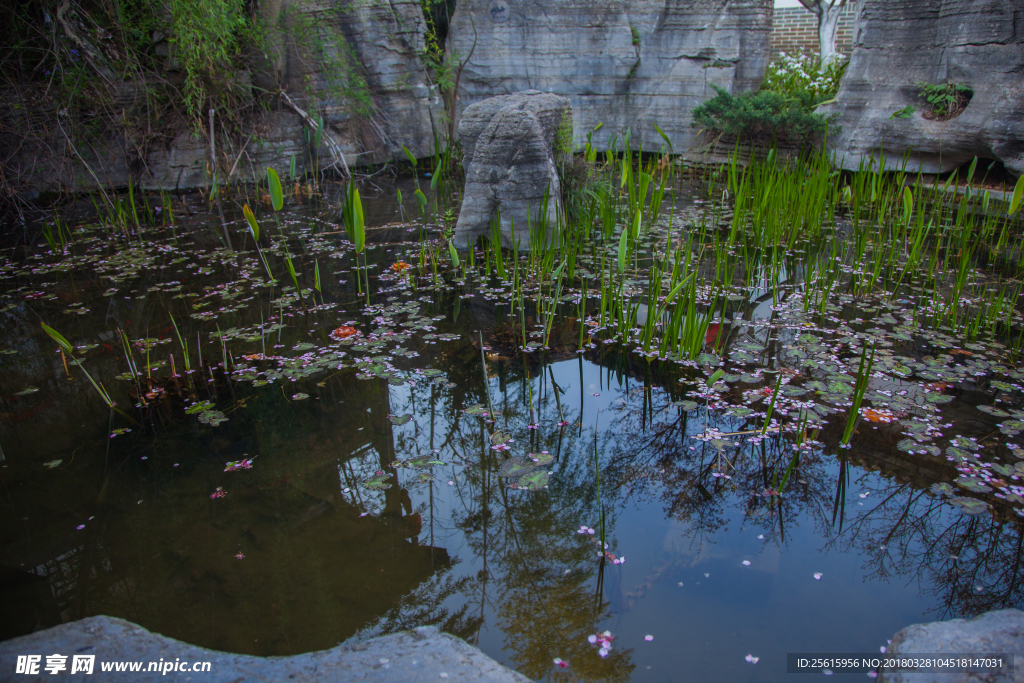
997, 632
508, 143
424, 654
902, 43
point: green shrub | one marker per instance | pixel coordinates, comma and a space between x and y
763, 118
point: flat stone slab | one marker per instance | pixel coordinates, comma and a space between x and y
422, 655
996, 632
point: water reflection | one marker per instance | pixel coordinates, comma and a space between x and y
298, 554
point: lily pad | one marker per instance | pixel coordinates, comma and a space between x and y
200, 407
377, 482
534, 481
423, 461
515, 467
500, 437
739, 411
399, 419
541, 459
1011, 427
973, 485
970, 506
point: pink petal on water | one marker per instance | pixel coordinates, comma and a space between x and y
745, 563
81, 526
648, 638
752, 659
592, 639
817, 576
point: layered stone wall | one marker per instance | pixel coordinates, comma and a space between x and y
622, 63
902, 43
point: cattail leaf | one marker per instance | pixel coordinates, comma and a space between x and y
253, 225
64, 344
1018, 194
276, 195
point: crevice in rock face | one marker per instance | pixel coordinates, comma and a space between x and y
438, 14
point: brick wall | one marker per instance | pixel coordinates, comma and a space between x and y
795, 29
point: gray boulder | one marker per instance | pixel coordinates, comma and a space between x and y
997, 632
623, 63
976, 42
424, 654
508, 145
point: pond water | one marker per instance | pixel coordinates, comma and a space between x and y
286, 470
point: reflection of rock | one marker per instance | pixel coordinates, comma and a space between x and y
26, 603
998, 632
508, 142
961, 41
424, 654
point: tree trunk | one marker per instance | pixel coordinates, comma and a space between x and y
828, 25
828, 13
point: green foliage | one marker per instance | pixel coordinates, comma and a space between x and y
563, 136
442, 65
276, 193
762, 118
944, 100
206, 35
636, 35
805, 75
904, 113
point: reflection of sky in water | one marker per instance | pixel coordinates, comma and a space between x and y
504, 569
683, 580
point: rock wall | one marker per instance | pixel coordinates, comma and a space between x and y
623, 63
904, 42
373, 86
368, 82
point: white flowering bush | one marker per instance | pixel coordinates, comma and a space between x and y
807, 77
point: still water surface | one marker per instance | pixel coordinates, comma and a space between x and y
259, 534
